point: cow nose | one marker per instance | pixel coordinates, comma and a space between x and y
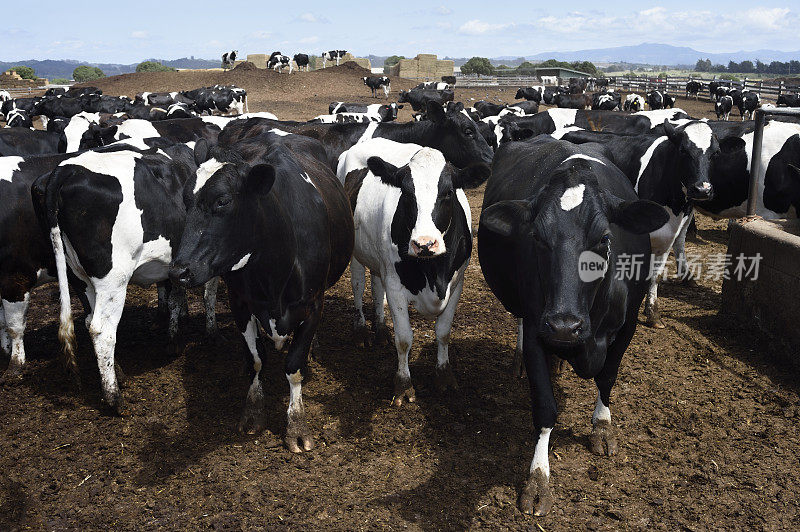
424, 246
180, 275
563, 328
703, 191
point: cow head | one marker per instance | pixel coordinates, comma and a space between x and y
388, 112
697, 147
563, 228
456, 135
427, 201
220, 199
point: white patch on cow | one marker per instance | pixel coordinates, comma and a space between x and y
9, 165
219, 121
205, 171
540, 455
584, 157
559, 133
338, 105
562, 117
77, 126
277, 339
426, 166
141, 129
279, 132
658, 116
242, 263
15, 319
134, 142
601, 411
153, 259
368, 132
572, 197
646, 157
699, 135
190, 144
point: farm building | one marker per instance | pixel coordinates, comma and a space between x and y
560, 73
426, 66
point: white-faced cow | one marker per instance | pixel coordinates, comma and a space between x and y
332, 55
555, 221
413, 233
633, 103
272, 219
655, 100
378, 82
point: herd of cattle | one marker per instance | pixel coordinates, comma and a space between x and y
277, 61
118, 191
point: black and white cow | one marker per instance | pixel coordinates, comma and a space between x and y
527, 107
655, 100
277, 62
550, 93
573, 101
276, 224
228, 58
606, 101
345, 118
137, 195
748, 103
52, 91
332, 55
378, 82
180, 110
419, 98
413, 233
450, 80
177, 130
22, 142
779, 180
672, 169
633, 103
225, 100
534, 93
789, 100
669, 101
301, 60
722, 90
486, 109
112, 104
384, 112
68, 107
723, 107
29, 105
555, 221
77, 92
19, 118
577, 85
693, 88
433, 85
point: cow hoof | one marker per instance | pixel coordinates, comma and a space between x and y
297, 433
117, 405
122, 379
382, 335
403, 389
655, 322
603, 439
445, 379
361, 336
252, 420
536, 498
518, 365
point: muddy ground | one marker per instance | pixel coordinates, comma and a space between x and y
708, 414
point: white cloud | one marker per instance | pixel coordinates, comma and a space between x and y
139, 34
478, 27
312, 18
443, 10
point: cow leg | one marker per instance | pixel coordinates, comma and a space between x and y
358, 281
296, 428
518, 364
210, 300
537, 497
382, 334
252, 420
108, 308
403, 336
5, 339
651, 311
445, 379
679, 248
175, 303
16, 314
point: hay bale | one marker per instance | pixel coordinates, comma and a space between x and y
259, 60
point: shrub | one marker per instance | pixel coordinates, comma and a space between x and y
153, 66
87, 73
59, 81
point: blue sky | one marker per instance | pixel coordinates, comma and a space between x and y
126, 32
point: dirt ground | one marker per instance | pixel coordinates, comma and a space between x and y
708, 414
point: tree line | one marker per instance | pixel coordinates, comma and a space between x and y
84, 73
750, 67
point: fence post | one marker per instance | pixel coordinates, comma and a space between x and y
744, 84
780, 88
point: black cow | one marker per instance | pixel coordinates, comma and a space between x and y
669, 101
693, 88
112, 104
77, 92
265, 214
606, 101
485, 108
450, 80
723, 106
554, 225
573, 101
713, 88
378, 82
530, 93
55, 91
419, 98
550, 93
577, 85
332, 55
789, 100
68, 107
452, 132
301, 60
23, 142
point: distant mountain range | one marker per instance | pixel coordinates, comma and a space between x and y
62, 68
659, 54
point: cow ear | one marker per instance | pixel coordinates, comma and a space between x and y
386, 171
638, 217
201, 152
435, 112
458, 107
731, 144
505, 218
672, 133
472, 176
260, 179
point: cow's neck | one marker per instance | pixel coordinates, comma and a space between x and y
423, 133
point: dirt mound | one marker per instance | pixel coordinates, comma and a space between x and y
246, 65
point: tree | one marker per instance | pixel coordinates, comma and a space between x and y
153, 66
393, 60
703, 65
478, 65
747, 66
25, 72
87, 73
733, 66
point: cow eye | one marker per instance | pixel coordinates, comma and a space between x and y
469, 132
221, 203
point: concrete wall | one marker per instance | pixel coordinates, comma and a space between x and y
771, 302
